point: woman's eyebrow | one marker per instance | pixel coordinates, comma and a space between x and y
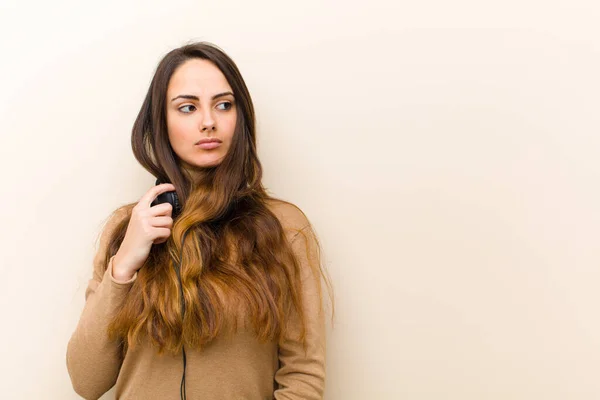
192, 97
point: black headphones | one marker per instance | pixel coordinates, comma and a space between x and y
171, 197
168, 197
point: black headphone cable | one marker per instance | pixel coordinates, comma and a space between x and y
178, 271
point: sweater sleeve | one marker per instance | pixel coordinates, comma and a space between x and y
301, 375
93, 361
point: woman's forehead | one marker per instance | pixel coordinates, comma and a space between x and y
198, 77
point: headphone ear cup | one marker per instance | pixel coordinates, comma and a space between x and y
176, 205
170, 197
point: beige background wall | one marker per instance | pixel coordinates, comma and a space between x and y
447, 153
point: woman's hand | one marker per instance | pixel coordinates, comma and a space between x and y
147, 226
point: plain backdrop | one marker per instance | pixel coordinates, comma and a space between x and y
446, 153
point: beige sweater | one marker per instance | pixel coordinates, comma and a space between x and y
229, 368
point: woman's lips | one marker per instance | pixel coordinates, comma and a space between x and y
209, 145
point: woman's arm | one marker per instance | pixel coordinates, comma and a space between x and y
93, 361
301, 375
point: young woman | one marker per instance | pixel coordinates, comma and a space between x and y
220, 297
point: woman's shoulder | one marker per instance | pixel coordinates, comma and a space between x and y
122, 212
117, 216
291, 217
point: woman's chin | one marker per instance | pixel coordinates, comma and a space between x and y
205, 162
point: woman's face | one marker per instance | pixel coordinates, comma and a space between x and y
200, 105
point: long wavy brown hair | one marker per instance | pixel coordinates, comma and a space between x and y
235, 252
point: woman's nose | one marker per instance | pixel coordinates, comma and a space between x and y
208, 122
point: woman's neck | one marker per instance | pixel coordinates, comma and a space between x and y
195, 175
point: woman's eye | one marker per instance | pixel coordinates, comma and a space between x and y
227, 105
182, 109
